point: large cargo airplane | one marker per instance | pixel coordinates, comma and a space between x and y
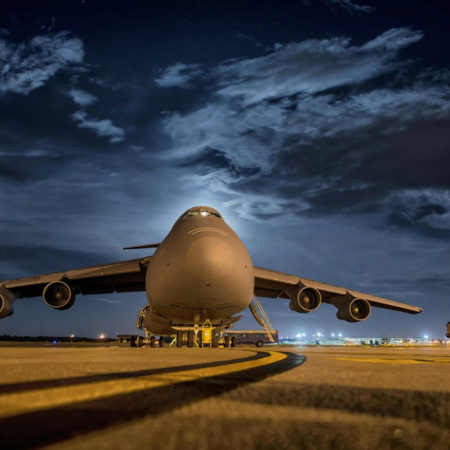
200, 271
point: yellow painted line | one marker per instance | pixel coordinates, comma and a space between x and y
38, 400
395, 361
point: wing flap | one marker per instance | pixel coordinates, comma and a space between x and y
270, 282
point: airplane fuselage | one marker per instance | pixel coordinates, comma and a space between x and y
200, 271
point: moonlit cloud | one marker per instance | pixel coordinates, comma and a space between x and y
251, 39
279, 118
27, 66
349, 5
311, 66
426, 207
101, 127
393, 40
321, 134
180, 75
82, 98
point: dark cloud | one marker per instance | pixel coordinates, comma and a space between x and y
211, 158
82, 98
180, 75
312, 119
251, 39
104, 127
320, 135
27, 66
349, 5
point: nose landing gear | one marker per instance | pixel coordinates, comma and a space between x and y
139, 341
203, 336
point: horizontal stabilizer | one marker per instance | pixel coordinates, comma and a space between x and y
141, 246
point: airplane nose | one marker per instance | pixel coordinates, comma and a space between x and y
209, 258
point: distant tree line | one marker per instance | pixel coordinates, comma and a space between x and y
8, 338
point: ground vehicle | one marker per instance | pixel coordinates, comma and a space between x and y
258, 338
448, 330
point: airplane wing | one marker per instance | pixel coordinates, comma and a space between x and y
269, 283
123, 276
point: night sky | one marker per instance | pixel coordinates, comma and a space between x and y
320, 129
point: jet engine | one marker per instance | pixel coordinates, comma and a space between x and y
58, 295
7, 299
304, 299
352, 309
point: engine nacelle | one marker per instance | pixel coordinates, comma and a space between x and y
352, 309
7, 299
58, 295
304, 299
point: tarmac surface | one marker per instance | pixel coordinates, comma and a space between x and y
113, 397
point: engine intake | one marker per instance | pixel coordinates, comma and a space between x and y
58, 295
304, 299
7, 299
354, 310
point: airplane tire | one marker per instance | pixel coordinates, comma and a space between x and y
139, 341
214, 341
179, 339
132, 341
233, 341
190, 339
227, 341
161, 341
259, 344
152, 341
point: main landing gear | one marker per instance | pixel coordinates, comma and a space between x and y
151, 341
203, 337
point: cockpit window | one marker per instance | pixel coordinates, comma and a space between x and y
203, 214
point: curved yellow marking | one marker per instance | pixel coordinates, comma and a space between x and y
396, 361
38, 400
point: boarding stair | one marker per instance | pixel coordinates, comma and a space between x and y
261, 317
